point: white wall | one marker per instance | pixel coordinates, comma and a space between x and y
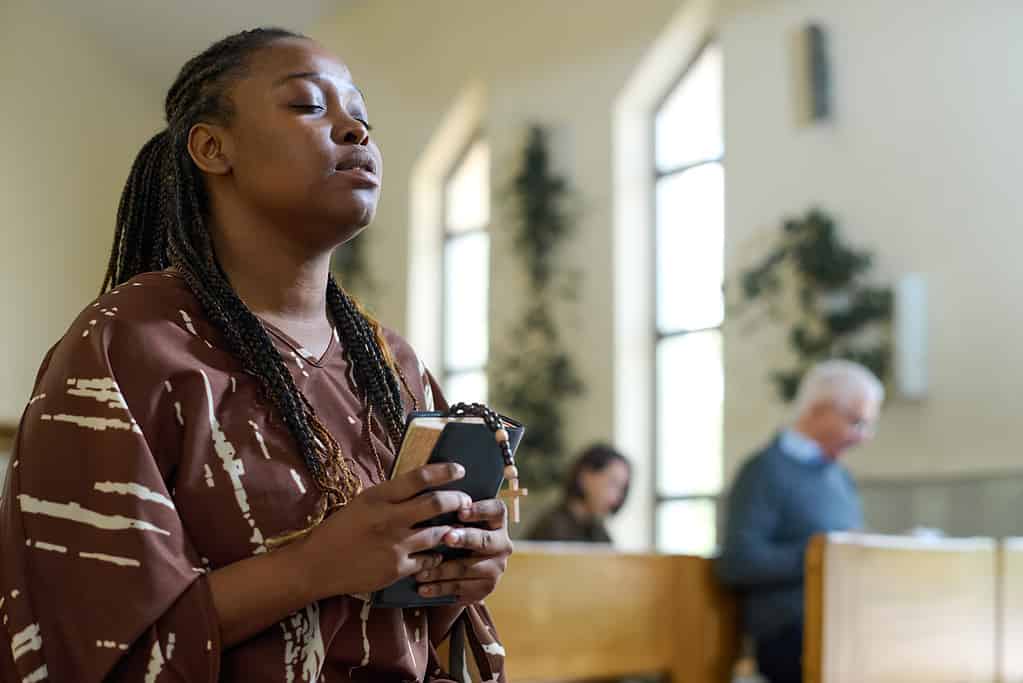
71, 121
559, 64
922, 164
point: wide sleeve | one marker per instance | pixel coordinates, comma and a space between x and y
98, 580
750, 554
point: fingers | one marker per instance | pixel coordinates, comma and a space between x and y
469, 580
411, 483
491, 512
479, 541
424, 539
467, 568
428, 505
422, 562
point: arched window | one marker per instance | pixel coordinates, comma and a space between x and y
689, 306
466, 275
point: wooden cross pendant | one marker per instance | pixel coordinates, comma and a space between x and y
512, 495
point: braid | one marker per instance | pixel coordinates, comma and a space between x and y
161, 222
373, 364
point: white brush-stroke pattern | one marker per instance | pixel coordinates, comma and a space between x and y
29, 639
156, 663
177, 413
39, 674
364, 613
102, 389
36, 398
76, 513
112, 559
298, 360
188, 322
167, 384
234, 384
99, 424
170, 646
235, 468
259, 439
15, 593
130, 488
111, 645
298, 481
303, 644
411, 652
307, 354
427, 387
209, 476
52, 547
493, 648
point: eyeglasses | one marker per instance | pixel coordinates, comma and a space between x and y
866, 427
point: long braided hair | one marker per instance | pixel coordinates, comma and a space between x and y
161, 222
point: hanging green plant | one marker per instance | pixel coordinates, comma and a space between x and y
815, 285
535, 380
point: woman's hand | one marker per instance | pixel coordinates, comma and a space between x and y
472, 578
370, 543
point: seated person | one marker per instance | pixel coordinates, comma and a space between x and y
596, 487
783, 495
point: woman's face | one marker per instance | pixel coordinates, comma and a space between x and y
298, 144
603, 489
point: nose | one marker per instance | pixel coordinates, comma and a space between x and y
350, 131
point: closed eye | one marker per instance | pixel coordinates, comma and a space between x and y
309, 107
364, 122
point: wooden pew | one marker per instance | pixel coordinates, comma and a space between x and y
569, 612
888, 609
1010, 613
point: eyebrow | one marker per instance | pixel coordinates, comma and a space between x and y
312, 76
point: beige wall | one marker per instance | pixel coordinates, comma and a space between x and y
922, 165
919, 165
71, 121
560, 64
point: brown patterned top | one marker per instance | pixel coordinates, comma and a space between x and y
147, 458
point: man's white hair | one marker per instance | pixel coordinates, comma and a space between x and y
840, 381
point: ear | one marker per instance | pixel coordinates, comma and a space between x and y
208, 145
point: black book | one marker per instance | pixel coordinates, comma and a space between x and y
431, 437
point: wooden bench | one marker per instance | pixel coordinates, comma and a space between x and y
570, 612
1010, 612
888, 609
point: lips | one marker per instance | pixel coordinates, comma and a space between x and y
357, 162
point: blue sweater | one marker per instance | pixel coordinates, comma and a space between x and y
776, 504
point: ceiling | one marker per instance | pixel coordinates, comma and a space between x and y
155, 37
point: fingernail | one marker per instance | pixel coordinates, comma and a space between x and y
424, 575
455, 537
425, 590
459, 470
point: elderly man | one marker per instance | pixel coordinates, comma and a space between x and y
784, 494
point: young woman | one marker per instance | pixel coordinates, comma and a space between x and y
596, 488
198, 490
